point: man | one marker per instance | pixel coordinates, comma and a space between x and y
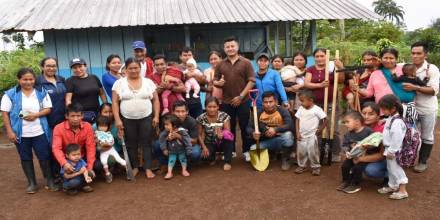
235, 75
180, 109
194, 104
74, 131
276, 125
140, 53
160, 65
426, 101
269, 80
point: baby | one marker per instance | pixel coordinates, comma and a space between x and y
291, 75
191, 82
172, 77
409, 75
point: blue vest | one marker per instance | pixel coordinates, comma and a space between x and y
15, 96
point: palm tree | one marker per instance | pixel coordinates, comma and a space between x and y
389, 10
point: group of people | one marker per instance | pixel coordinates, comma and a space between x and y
155, 111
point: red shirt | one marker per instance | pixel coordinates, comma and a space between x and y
378, 127
318, 76
157, 79
85, 138
150, 70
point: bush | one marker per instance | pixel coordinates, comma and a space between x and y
11, 62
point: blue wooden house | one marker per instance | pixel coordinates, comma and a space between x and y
93, 29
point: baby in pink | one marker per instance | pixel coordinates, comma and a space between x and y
191, 82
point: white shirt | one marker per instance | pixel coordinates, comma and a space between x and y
135, 104
143, 68
427, 104
309, 120
393, 135
29, 104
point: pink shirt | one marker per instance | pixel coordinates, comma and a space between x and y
378, 85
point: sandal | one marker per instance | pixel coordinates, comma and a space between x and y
398, 195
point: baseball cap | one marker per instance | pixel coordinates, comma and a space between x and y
138, 45
77, 60
263, 55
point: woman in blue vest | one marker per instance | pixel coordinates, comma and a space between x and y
24, 110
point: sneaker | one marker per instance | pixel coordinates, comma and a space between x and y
227, 167
352, 189
342, 186
300, 170
187, 95
285, 164
421, 167
87, 189
70, 192
316, 171
398, 195
165, 111
195, 95
108, 178
234, 155
247, 156
386, 190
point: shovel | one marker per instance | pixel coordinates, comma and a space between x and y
128, 168
259, 157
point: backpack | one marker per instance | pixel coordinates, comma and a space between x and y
407, 155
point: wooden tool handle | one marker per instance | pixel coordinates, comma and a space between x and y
335, 96
254, 110
327, 61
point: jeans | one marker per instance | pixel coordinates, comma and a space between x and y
41, 147
138, 134
377, 169
427, 126
285, 140
196, 153
242, 112
351, 172
225, 146
172, 158
74, 183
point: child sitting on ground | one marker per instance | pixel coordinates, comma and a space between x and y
175, 143
104, 143
191, 82
393, 136
79, 178
311, 120
352, 168
172, 78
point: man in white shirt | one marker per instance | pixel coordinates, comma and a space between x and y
426, 100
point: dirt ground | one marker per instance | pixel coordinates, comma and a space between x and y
211, 193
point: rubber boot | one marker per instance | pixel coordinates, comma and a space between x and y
425, 152
28, 169
46, 169
285, 154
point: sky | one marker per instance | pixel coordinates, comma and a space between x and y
418, 13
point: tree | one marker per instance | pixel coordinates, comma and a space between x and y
436, 24
389, 10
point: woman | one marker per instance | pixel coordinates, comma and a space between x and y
55, 87
299, 60
381, 83
315, 81
377, 166
136, 111
24, 110
107, 111
214, 132
113, 65
85, 89
214, 58
277, 62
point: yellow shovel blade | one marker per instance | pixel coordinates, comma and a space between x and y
262, 162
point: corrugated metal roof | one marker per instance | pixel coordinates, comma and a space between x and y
32, 15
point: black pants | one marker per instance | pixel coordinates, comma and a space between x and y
242, 112
195, 109
225, 146
138, 134
351, 172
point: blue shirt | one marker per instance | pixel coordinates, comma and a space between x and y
107, 81
270, 81
57, 93
78, 166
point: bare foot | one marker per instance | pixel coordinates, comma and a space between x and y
135, 171
185, 173
168, 176
227, 167
149, 174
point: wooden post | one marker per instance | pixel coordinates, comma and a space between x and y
327, 60
335, 96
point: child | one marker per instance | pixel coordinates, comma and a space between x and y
351, 168
311, 120
191, 82
291, 75
172, 77
393, 135
176, 143
80, 176
409, 75
105, 142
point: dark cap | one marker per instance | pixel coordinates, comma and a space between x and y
77, 60
263, 55
138, 45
